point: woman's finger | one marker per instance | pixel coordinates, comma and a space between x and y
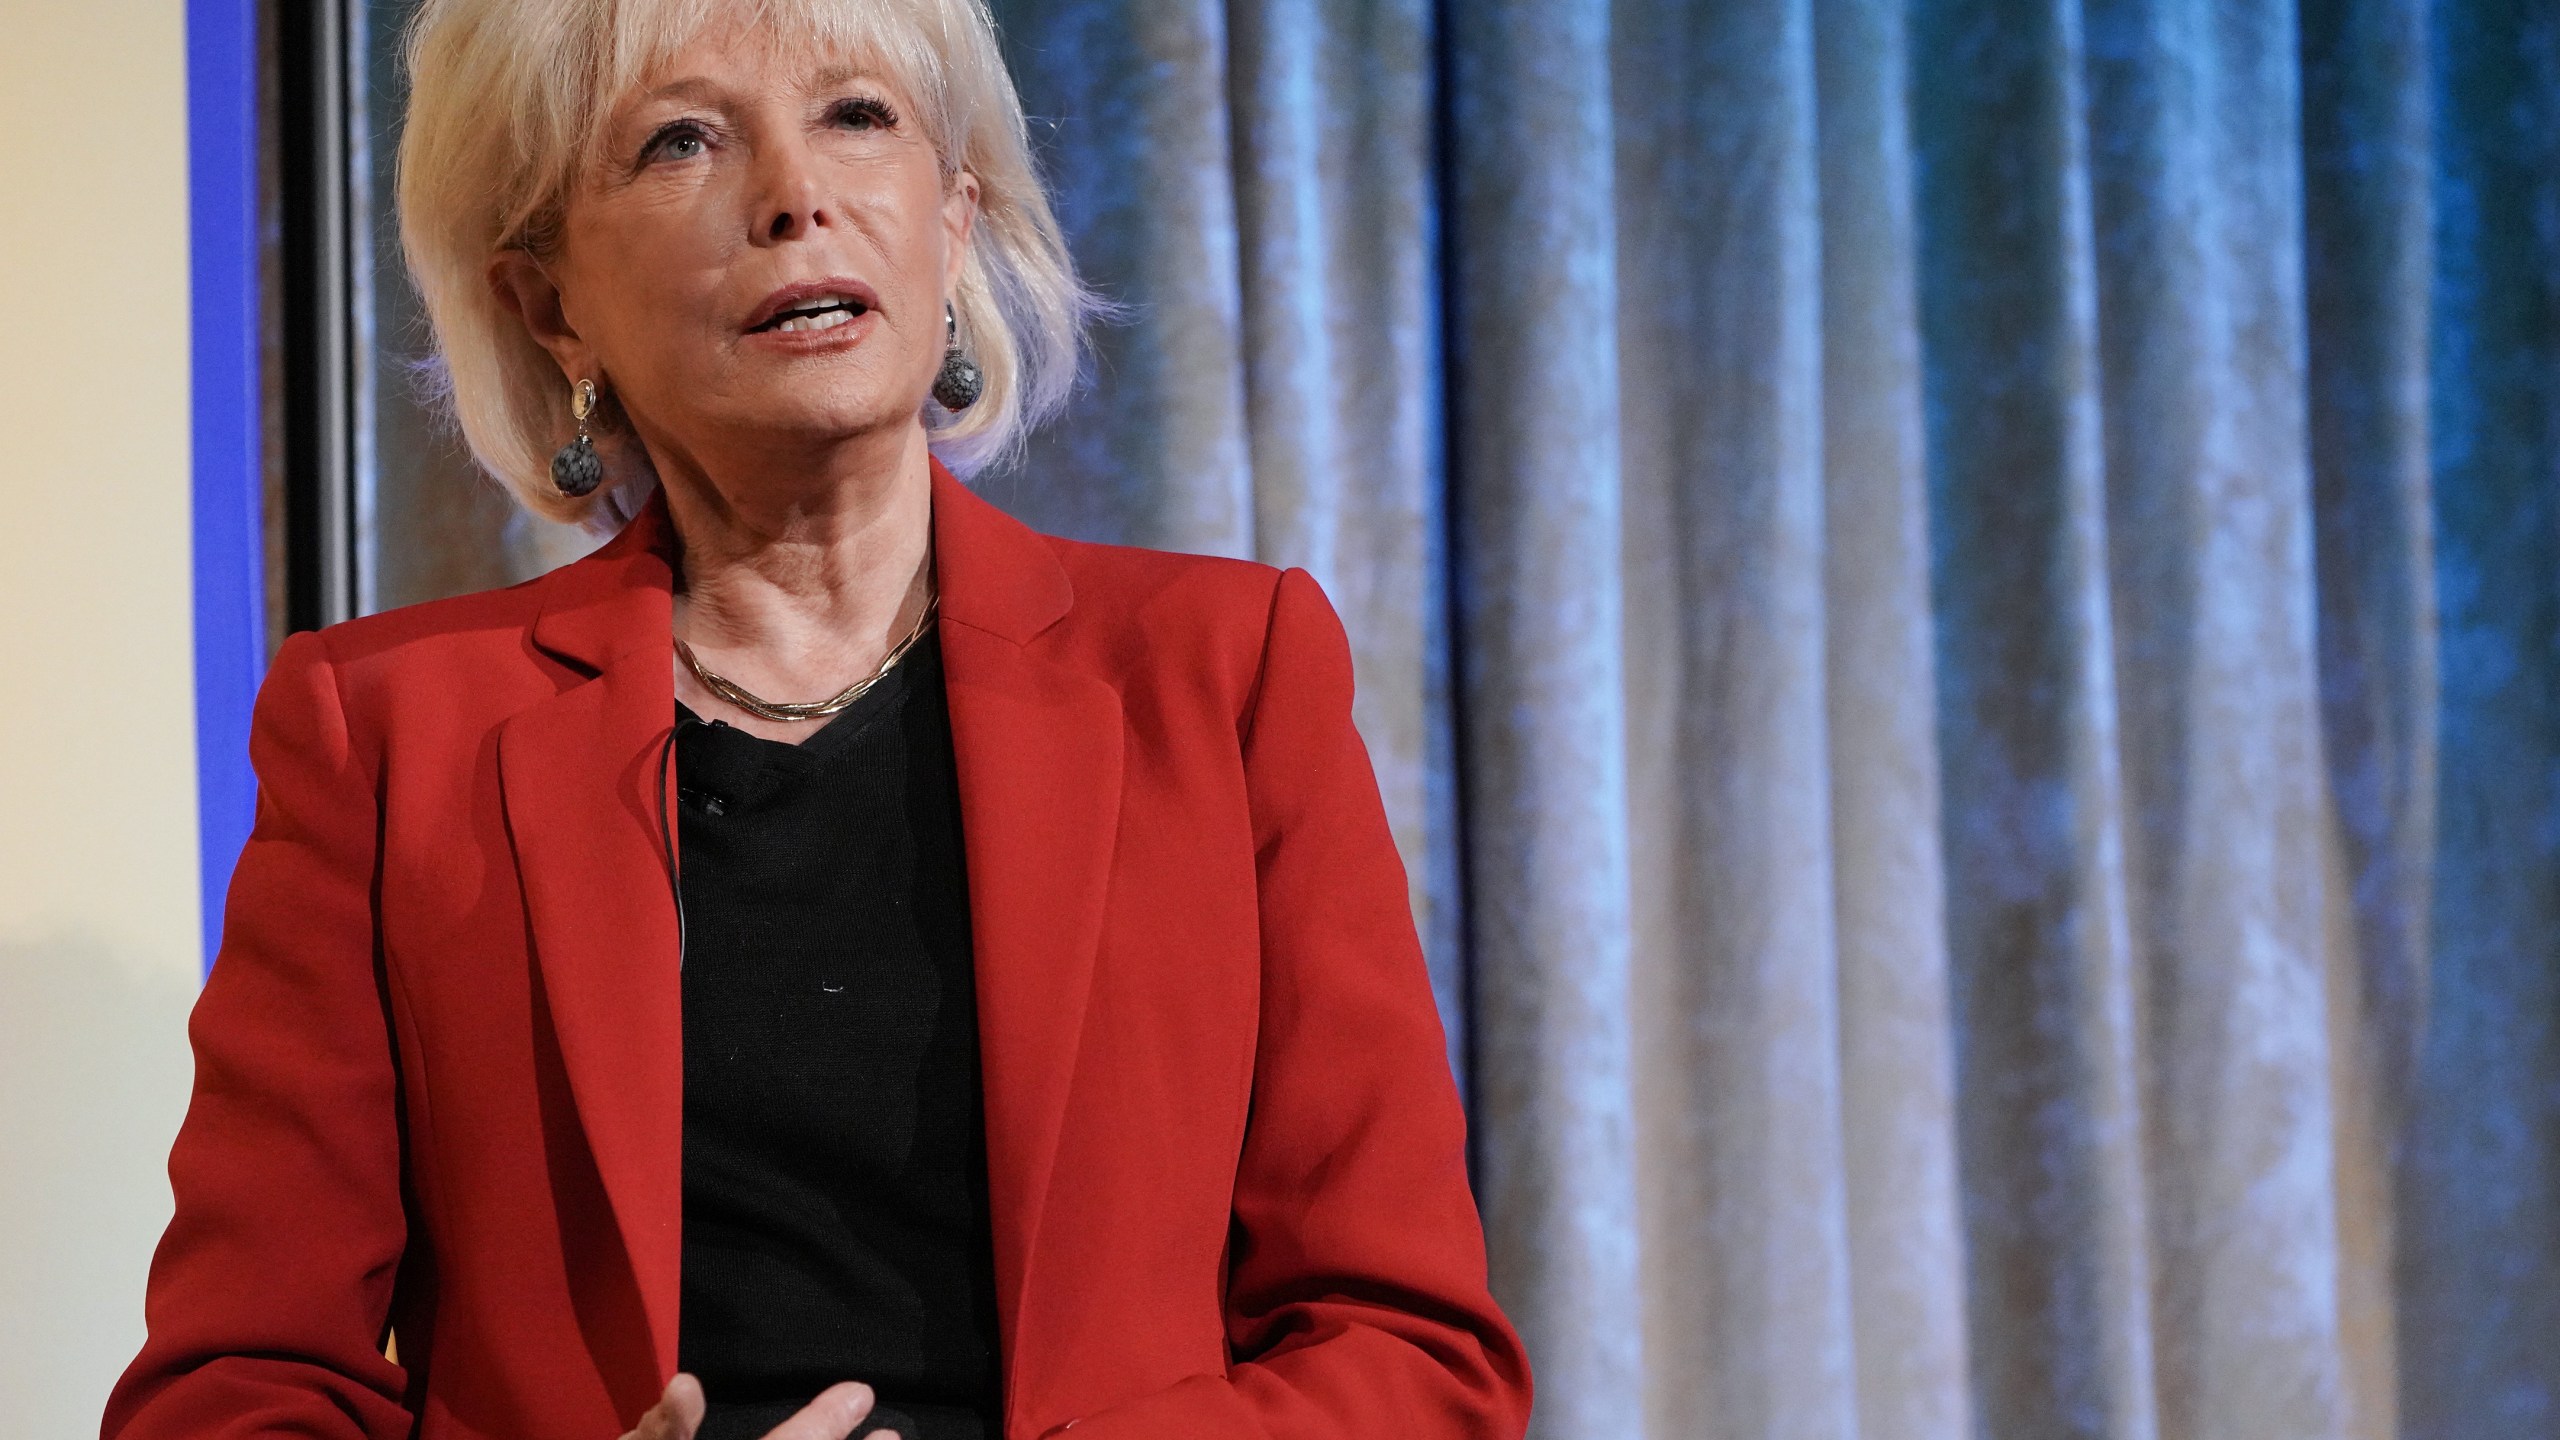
831, 1416
677, 1414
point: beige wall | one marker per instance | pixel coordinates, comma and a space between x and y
98, 927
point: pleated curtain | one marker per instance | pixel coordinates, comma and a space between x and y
1958, 611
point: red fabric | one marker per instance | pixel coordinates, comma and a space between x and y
438, 1080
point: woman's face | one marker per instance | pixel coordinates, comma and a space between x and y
759, 256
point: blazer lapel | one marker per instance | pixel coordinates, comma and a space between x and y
1038, 745
579, 777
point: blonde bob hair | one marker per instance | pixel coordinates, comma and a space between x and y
507, 102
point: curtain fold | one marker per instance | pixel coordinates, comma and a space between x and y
2479, 1259
2048, 1114
1540, 624
1907, 1254
1747, 1305
2368, 273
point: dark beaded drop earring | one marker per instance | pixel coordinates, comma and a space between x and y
961, 381
576, 469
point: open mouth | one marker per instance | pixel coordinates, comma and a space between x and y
818, 312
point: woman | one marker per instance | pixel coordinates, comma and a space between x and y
833, 961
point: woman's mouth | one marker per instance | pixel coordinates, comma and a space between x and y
821, 312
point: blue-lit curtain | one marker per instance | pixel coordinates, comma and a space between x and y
1959, 612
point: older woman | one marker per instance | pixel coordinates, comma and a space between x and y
834, 961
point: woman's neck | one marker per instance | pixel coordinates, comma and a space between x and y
795, 591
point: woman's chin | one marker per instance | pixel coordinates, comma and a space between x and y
813, 418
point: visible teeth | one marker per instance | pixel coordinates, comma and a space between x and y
823, 320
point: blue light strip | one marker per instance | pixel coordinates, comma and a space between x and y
228, 537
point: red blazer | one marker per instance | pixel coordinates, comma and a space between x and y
438, 1060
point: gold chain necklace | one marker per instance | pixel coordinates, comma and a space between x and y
763, 709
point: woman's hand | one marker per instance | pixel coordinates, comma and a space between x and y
832, 1416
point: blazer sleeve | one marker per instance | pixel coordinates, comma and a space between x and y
1356, 1298
269, 1293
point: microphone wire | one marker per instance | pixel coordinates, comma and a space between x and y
666, 832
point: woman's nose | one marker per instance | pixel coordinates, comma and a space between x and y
791, 200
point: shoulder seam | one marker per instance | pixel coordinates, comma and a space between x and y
362, 762
1252, 715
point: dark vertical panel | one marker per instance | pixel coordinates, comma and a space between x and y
271, 379
313, 448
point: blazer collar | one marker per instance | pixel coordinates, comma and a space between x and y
1038, 741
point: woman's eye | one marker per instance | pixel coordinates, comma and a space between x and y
680, 142
865, 115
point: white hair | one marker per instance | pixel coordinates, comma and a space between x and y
507, 101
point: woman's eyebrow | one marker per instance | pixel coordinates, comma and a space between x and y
834, 76
690, 87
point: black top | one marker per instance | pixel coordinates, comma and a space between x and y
835, 1191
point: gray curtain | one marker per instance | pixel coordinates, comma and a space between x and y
1958, 610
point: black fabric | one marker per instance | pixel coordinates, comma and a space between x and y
835, 1193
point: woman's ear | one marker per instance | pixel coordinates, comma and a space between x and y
528, 290
959, 219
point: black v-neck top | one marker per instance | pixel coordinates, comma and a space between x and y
835, 1191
